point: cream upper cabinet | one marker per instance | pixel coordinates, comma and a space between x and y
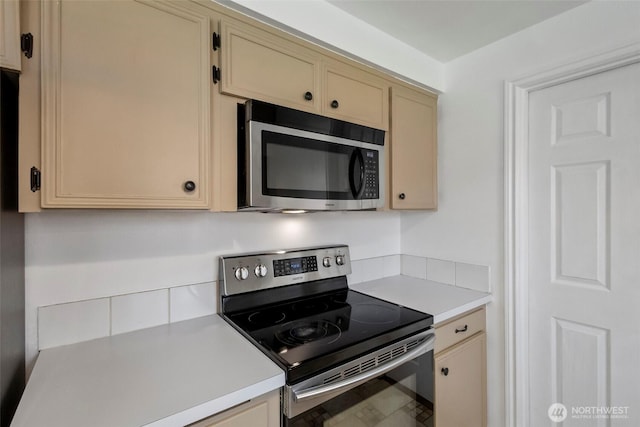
10, 34
263, 411
413, 150
353, 95
126, 96
121, 108
274, 68
460, 370
258, 64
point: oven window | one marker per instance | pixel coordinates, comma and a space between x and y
299, 167
400, 398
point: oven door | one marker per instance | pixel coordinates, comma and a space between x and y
296, 169
398, 392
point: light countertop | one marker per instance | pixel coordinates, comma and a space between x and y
440, 300
169, 375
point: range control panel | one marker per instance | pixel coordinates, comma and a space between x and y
289, 266
255, 271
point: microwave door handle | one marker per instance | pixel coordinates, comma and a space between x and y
379, 370
356, 156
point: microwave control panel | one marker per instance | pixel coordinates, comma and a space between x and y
371, 184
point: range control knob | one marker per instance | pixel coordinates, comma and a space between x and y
242, 273
340, 259
261, 270
326, 261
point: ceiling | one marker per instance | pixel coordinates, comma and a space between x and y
447, 29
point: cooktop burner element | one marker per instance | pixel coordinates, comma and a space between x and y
306, 331
310, 321
374, 313
267, 317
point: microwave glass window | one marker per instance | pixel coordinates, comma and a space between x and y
298, 167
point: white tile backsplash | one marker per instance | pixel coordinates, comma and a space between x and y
188, 302
373, 269
414, 266
73, 322
363, 270
80, 321
473, 276
140, 310
357, 270
391, 265
441, 271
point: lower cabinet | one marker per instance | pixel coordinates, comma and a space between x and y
263, 411
461, 373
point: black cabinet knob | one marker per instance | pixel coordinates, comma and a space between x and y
445, 371
334, 104
308, 96
401, 196
189, 186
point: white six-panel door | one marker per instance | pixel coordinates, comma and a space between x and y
584, 250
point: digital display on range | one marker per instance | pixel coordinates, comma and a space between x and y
286, 267
296, 265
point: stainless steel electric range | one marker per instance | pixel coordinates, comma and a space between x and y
349, 358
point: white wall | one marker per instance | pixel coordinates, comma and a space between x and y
469, 223
82, 255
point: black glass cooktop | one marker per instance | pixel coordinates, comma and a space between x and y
311, 334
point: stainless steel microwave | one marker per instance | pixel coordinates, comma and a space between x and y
293, 160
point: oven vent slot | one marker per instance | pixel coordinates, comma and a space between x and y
365, 366
384, 357
332, 378
373, 362
397, 352
351, 371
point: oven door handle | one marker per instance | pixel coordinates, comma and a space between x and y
315, 391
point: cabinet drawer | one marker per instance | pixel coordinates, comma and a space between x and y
458, 329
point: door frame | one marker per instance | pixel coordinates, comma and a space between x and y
516, 195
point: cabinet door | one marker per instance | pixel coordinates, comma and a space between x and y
29, 133
10, 34
126, 102
263, 411
353, 95
414, 175
461, 398
257, 64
